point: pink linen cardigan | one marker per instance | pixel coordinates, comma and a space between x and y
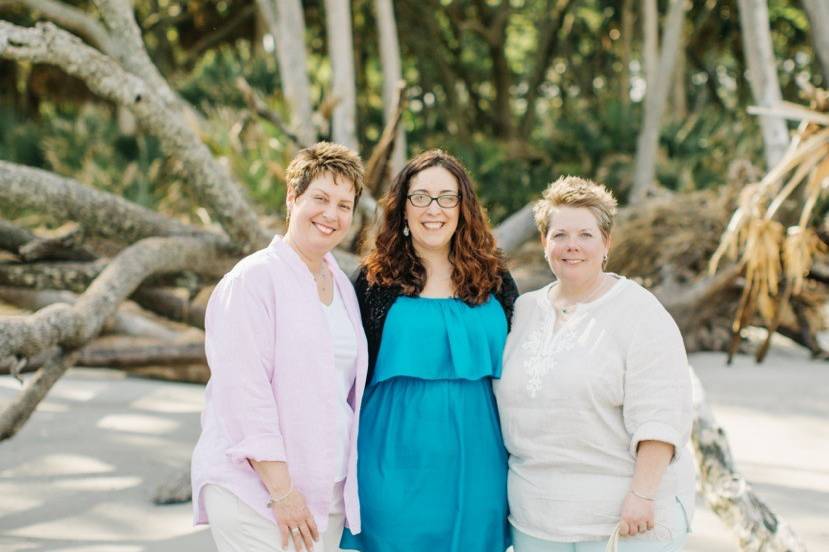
272, 393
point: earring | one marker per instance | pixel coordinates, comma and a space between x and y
604, 259
406, 230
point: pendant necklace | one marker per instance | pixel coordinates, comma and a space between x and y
567, 310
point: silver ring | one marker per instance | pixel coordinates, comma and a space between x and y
295, 530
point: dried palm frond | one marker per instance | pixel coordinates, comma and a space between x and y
774, 267
799, 250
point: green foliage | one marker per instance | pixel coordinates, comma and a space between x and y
85, 143
586, 121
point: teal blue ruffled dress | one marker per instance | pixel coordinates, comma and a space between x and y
432, 465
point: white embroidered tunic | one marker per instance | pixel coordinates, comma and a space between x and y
575, 403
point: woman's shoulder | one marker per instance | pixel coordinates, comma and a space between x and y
255, 268
531, 300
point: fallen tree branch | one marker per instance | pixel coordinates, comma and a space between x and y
122, 356
72, 326
516, 229
727, 492
13, 236
99, 213
65, 275
212, 182
125, 321
170, 305
74, 20
64, 245
16, 414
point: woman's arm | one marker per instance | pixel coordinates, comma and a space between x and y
652, 460
288, 505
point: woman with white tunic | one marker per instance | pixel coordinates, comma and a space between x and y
595, 396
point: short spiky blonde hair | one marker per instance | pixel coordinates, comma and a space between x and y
322, 158
574, 191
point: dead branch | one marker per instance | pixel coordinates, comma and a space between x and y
126, 321
96, 354
73, 19
71, 326
257, 105
64, 245
516, 229
65, 275
212, 182
131, 53
727, 492
13, 236
170, 305
16, 414
377, 165
99, 213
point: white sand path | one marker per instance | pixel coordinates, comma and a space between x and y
81, 474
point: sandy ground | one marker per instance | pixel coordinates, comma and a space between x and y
81, 474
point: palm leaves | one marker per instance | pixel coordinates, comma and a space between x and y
774, 259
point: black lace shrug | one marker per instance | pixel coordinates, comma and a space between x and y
376, 301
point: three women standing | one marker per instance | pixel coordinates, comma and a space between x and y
276, 460
436, 301
595, 399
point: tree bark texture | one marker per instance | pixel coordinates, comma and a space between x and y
99, 213
125, 321
727, 493
16, 414
762, 72
341, 54
650, 41
818, 12
656, 98
286, 24
392, 77
72, 326
212, 182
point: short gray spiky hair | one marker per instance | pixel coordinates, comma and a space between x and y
574, 191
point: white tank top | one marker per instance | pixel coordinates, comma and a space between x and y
345, 363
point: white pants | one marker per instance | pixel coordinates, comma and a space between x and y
237, 528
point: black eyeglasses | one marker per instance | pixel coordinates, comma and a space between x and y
447, 201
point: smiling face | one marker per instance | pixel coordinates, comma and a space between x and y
321, 215
574, 245
432, 227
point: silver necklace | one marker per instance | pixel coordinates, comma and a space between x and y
567, 310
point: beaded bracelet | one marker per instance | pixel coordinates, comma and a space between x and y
274, 499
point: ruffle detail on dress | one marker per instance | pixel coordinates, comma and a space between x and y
441, 339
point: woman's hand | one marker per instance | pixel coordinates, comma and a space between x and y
295, 521
637, 516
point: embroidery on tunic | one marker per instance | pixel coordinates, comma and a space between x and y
543, 343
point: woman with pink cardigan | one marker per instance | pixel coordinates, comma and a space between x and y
275, 466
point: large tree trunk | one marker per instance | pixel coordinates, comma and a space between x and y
286, 24
657, 95
818, 12
392, 75
762, 72
341, 53
650, 40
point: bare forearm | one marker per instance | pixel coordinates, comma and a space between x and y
652, 459
274, 476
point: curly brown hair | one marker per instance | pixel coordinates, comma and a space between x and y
477, 264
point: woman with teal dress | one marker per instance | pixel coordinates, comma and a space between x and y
436, 301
